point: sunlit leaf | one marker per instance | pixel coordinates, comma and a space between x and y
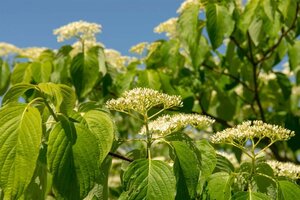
20, 139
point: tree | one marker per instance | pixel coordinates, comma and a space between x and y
202, 114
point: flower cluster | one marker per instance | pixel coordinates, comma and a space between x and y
167, 124
32, 52
168, 27
188, 3
6, 49
286, 169
142, 100
80, 29
254, 129
139, 48
116, 59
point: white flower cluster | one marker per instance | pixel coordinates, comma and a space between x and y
167, 124
7, 49
80, 29
116, 59
139, 48
32, 52
254, 129
188, 3
168, 27
286, 169
142, 100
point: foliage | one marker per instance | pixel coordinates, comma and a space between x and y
226, 67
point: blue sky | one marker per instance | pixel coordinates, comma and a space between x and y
27, 23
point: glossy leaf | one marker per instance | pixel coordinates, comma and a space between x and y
219, 23
208, 157
62, 96
85, 71
103, 128
250, 196
16, 91
20, 139
289, 190
187, 164
149, 179
4, 76
73, 159
219, 186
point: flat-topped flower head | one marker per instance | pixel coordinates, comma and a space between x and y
286, 169
141, 100
167, 124
188, 3
80, 29
32, 53
168, 27
250, 130
7, 49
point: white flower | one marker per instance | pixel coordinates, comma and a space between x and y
6, 49
32, 52
168, 27
116, 59
142, 100
286, 169
167, 124
80, 29
254, 129
188, 3
139, 48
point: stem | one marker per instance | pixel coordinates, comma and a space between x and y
50, 110
156, 113
149, 137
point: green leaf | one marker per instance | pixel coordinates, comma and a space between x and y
255, 30
265, 184
294, 55
284, 84
103, 128
85, 72
4, 76
41, 72
20, 139
188, 26
219, 23
187, 169
62, 96
219, 186
208, 157
21, 73
247, 16
149, 79
289, 190
73, 159
250, 196
16, 91
269, 8
149, 179
223, 164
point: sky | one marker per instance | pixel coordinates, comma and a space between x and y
27, 23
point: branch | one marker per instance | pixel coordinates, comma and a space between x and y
255, 80
120, 157
219, 120
229, 75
